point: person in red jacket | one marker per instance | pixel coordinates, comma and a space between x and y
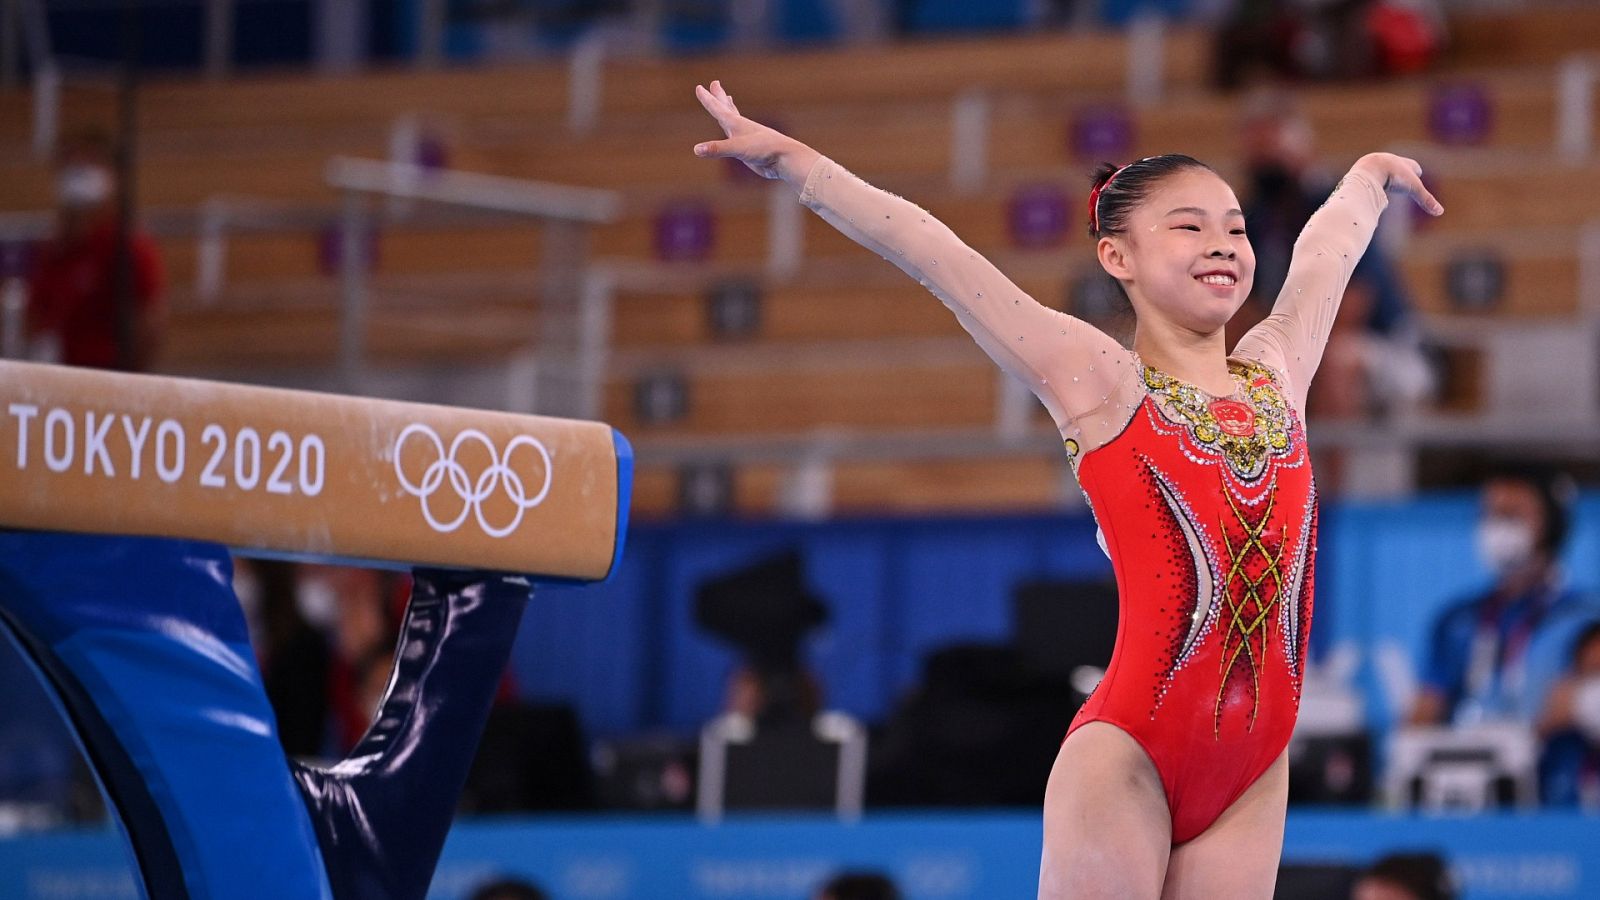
80, 271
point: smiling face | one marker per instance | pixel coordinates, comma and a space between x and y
1184, 256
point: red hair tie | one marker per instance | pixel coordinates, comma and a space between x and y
1094, 199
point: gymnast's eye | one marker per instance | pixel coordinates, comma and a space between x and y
1237, 231
1187, 228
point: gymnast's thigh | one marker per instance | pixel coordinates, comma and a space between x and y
1237, 856
1107, 831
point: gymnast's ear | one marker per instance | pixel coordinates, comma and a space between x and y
1113, 255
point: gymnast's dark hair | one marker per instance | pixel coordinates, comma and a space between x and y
1111, 203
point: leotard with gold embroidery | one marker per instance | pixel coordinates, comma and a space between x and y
1206, 504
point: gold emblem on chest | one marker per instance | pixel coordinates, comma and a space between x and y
1245, 429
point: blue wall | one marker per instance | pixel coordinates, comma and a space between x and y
950, 857
628, 655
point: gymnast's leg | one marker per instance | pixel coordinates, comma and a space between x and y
1107, 831
1237, 857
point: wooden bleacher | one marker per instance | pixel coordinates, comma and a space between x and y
1539, 198
444, 294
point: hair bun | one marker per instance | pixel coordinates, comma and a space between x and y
1102, 177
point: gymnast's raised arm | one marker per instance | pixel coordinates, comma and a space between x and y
1292, 338
1050, 351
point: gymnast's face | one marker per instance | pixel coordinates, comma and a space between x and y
1184, 257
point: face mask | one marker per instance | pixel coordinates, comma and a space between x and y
80, 186
1504, 543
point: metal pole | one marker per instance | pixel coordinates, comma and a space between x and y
1012, 408
211, 252
969, 140
1589, 271
46, 75
130, 355
561, 322
340, 35
1146, 59
594, 339
219, 38
13, 318
1589, 287
786, 232
353, 277
46, 107
430, 32
10, 43
751, 23
586, 83
1575, 109
860, 22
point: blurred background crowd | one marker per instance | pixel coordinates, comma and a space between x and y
861, 576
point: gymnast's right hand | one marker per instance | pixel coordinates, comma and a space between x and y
766, 151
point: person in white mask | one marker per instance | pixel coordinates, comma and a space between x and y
1494, 657
76, 312
1569, 765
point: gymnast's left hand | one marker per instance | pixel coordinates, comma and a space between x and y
1398, 173
767, 151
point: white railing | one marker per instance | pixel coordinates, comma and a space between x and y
574, 299
575, 314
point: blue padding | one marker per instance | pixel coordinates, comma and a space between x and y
624, 496
382, 814
628, 654
147, 648
37, 751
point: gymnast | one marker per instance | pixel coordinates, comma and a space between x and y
1172, 780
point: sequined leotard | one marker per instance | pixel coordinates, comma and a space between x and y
1206, 505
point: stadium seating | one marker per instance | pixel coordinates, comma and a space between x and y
849, 343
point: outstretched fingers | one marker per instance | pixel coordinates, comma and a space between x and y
1408, 177
720, 109
723, 112
723, 95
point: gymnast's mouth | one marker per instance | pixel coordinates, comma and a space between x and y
1221, 277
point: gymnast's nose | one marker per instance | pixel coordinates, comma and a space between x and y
1222, 252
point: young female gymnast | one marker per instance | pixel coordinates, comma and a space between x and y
1172, 780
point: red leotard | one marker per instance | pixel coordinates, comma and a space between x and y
1206, 505
1208, 511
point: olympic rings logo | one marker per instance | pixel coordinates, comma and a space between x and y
498, 477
